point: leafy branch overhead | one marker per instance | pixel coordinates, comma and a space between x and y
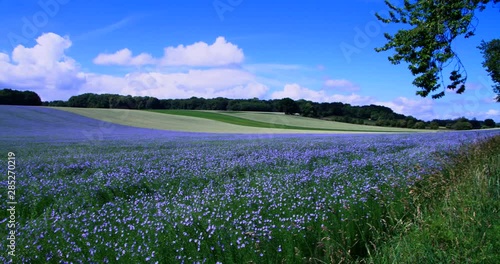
427, 45
491, 54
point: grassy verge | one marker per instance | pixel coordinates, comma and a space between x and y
455, 213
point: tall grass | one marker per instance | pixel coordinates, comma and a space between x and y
455, 214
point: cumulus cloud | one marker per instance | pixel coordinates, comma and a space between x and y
295, 91
219, 53
47, 70
206, 83
4, 57
44, 67
48, 50
124, 57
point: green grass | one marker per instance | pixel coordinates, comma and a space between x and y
300, 121
455, 214
190, 121
280, 121
224, 122
234, 119
222, 118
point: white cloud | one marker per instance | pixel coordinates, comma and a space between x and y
43, 67
341, 85
219, 53
296, 92
48, 50
98, 83
200, 83
124, 57
419, 108
493, 113
250, 90
47, 70
4, 57
353, 99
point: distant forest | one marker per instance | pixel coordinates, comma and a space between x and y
14, 97
335, 111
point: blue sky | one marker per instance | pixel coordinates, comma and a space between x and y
320, 51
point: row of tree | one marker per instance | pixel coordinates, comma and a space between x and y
14, 97
335, 111
286, 105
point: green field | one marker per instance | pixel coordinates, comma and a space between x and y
278, 120
223, 122
299, 121
147, 119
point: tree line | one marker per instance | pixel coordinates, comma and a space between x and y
14, 97
334, 111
